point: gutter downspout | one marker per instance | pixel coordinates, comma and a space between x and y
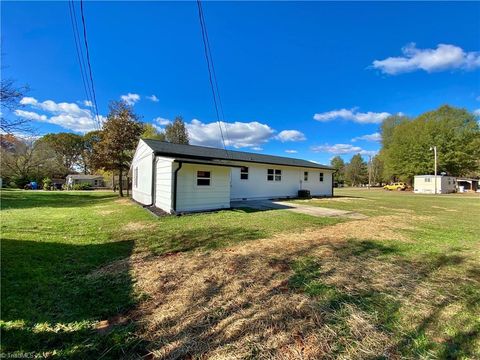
154, 170
333, 179
175, 177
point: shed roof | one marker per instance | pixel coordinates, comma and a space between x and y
85, 177
209, 153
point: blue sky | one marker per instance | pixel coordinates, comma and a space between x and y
308, 79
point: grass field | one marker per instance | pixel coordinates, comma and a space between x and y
88, 275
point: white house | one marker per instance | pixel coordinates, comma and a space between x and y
182, 178
426, 184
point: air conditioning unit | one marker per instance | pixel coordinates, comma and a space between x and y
304, 194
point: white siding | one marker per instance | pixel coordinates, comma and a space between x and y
142, 187
258, 187
191, 197
164, 183
426, 184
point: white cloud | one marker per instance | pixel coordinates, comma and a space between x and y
352, 115
153, 98
130, 98
444, 57
28, 101
476, 112
342, 149
291, 151
30, 115
257, 148
67, 115
370, 137
237, 134
162, 121
291, 135
87, 103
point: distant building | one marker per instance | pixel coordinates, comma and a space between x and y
465, 184
96, 181
425, 184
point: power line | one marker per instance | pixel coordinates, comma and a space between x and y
88, 60
208, 58
214, 74
81, 61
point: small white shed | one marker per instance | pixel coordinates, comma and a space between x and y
425, 184
183, 178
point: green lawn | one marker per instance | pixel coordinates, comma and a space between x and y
51, 241
420, 295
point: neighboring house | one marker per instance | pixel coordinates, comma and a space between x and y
96, 181
467, 184
426, 184
183, 178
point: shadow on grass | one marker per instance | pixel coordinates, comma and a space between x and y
252, 305
25, 199
207, 238
383, 303
49, 300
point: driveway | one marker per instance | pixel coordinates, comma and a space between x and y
298, 208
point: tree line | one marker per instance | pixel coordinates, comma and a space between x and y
108, 151
406, 149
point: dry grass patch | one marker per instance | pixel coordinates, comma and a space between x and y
139, 225
243, 301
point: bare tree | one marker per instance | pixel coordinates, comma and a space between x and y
10, 97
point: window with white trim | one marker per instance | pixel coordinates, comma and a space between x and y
427, 179
135, 175
203, 178
321, 177
244, 173
305, 176
274, 175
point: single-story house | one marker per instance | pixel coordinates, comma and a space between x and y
465, 184
183, 178
426, 184
96, 181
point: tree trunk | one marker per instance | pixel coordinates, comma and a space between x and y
120, 182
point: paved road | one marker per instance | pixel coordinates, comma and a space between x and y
299, 208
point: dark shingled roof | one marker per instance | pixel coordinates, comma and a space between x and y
208, 153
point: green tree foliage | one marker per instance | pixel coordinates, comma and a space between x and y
25, 160
118, 140
176, 132
151, 132
376, 170
356, 171
339, 165
454, 131
68, 148
86, 155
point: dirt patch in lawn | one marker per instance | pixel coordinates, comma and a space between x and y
239, 302
105, 212
123, 201
444, 208
139, 225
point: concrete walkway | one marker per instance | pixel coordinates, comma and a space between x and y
263, 205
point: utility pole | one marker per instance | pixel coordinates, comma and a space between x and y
369, 171
434, 148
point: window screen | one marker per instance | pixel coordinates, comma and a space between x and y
305, 176
244, 173
270, 173
321, 176
203, 178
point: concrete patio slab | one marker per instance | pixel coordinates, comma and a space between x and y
298, 208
